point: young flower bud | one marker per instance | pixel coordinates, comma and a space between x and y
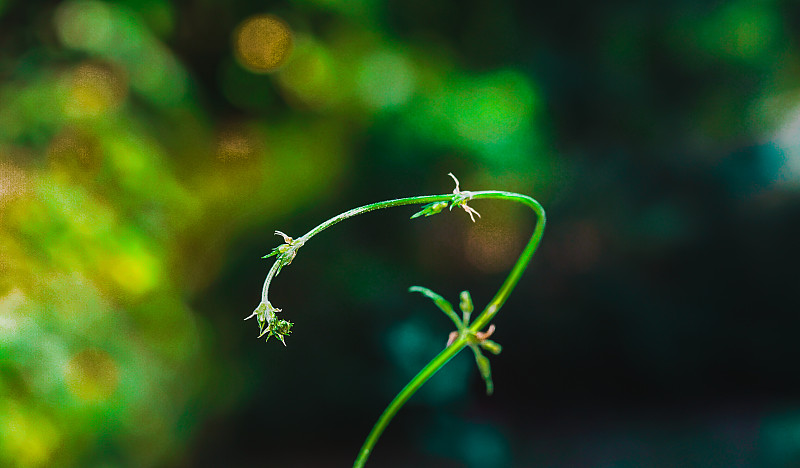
491, 346
430, 209
485, 369
466, 306
466, 302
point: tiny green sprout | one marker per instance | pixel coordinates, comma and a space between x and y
430, 209
286, 251
283, 248
474, 339
465, 305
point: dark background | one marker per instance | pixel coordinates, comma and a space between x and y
144, 167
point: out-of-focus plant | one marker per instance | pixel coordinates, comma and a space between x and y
466, 334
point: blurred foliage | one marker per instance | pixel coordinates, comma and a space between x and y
148, 149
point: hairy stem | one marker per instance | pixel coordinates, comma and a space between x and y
349, 214
376, 206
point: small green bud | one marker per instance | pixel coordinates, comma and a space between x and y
491, 346
281, 249
466, 306
430, 209
287, 250
485, 369
281, 329
278, 329
466, 302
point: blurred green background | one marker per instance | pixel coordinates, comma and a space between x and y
149, 149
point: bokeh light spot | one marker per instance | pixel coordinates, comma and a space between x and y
741, 30
159, 76
92, 375
386, 79
137, 273
235, 143
492, 247
28, 437
263, 43
10, 317
94, 89
13, 182
74, 153
84, 25
494, 108
310, 79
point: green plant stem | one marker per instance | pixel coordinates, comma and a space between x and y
273, 271
376, 206
482, 320
409, 390
524, 259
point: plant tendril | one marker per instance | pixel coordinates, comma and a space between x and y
466, 335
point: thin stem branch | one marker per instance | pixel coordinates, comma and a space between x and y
376, 206
522, 262
273, 271
409, 390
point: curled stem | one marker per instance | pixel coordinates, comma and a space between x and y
285, 253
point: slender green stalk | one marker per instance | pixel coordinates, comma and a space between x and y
484, 318
467, 335
377, 206
410, 389
522, 262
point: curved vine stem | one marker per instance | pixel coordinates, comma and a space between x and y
461, 342
285, 253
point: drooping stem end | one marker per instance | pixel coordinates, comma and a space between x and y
269, 324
